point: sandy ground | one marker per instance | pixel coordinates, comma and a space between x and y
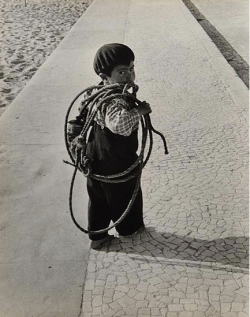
30, 31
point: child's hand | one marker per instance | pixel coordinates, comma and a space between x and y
79, 142
144, 108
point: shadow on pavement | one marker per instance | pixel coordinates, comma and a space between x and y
229, 251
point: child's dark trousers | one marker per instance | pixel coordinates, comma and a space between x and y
112, 154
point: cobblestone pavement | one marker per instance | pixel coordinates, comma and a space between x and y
192, 258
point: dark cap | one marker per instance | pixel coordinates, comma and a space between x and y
110, 56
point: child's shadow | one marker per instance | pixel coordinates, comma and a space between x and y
229, 251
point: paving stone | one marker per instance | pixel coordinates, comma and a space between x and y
155, 312
111, 278
210, 275
226, 299
98, 290
142, 287
129, 311
87, 296
165, 300
174, 294
122, 288
119, 313
170, 314
200, 314
213, 298
154, 280
141, 303
140, 296
237, 307
190, 307
97, 300
87, 307
185, 314
175, 308
89, 285
126, 301
97, 311
132, 293
87, 314
229, 314
107, 300
213, 282
152, 289
176, 300
214, 290
144, 312
100, 283
203, 308
118, 295
109, 313
153, 304
242, 314
115, 306
109, 292
110, 285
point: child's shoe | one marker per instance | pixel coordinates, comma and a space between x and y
97, 244
139, 231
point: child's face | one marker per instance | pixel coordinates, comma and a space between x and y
122, 74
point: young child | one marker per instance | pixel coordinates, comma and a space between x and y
113, 144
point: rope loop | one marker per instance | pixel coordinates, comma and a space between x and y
78, 135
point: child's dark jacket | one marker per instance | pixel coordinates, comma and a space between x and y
113, 141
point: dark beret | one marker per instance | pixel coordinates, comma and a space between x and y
110, 56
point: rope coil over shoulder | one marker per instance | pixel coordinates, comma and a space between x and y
81, 162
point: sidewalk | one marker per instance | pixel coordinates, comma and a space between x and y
231, 19
192, 259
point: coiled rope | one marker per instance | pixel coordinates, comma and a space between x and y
100, 98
